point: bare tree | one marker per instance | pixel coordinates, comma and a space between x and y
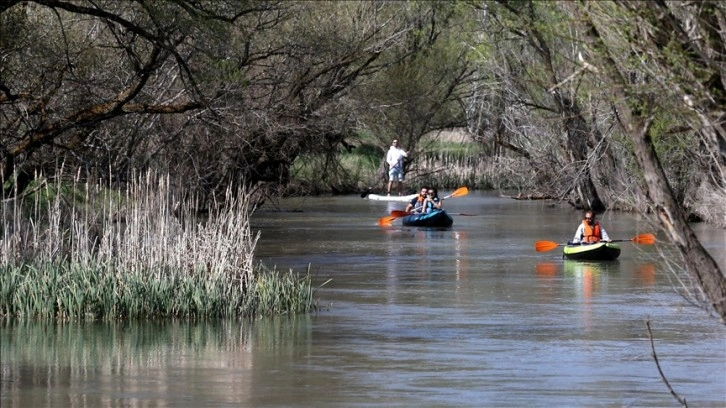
638, 90
223, 91
535, 72
682, 51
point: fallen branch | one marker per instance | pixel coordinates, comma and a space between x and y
533, 196
657, 364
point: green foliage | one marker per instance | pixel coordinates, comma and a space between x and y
62, 291
237, 91
277, 293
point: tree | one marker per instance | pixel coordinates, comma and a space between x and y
534, 69
220, 92
650, 75
425, 93
679, 47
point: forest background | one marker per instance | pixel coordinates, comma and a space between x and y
604, 105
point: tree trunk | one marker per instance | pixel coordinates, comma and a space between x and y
573, 121
578, 132
635, 117
699, 262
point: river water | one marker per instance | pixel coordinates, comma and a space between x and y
469, 316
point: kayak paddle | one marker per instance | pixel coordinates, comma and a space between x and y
647, 239
461, 191
401, 213
386, 221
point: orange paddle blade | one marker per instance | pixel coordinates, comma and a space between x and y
542, 246
399, 213
386, 221
461, 191
647, 239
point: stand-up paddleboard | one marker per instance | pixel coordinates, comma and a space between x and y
399, 199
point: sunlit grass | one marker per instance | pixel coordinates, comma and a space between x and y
141, 254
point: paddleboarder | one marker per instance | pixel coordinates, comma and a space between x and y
394, 158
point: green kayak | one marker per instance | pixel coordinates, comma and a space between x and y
600, 251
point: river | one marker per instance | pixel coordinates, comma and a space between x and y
468, 316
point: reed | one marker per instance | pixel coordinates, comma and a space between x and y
477, 172
98, 254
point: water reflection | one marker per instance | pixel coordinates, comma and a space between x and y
546, 270
461, 256
413, 254
590, 281
590, 277
117, 364
646, 273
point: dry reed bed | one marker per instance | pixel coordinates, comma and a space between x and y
452, 171
80, 251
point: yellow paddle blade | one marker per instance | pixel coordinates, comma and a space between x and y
542, 246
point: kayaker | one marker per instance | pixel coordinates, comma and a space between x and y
590, 231
432, 201
438, 202
429, 204
394, 158
416, 205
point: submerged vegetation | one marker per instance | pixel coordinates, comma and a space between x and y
103, 256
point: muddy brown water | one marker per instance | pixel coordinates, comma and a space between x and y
469, 316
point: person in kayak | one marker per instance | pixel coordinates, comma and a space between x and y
433, 202
394, 158
590, 231
416, 205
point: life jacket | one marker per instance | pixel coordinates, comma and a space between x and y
418, 207
591, 233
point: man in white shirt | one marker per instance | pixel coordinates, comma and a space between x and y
394, 158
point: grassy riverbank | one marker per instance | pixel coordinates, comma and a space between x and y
81, 251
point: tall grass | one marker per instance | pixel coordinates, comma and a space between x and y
81, 251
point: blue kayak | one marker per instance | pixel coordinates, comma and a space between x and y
438, 218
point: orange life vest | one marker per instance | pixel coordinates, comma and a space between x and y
591, 233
